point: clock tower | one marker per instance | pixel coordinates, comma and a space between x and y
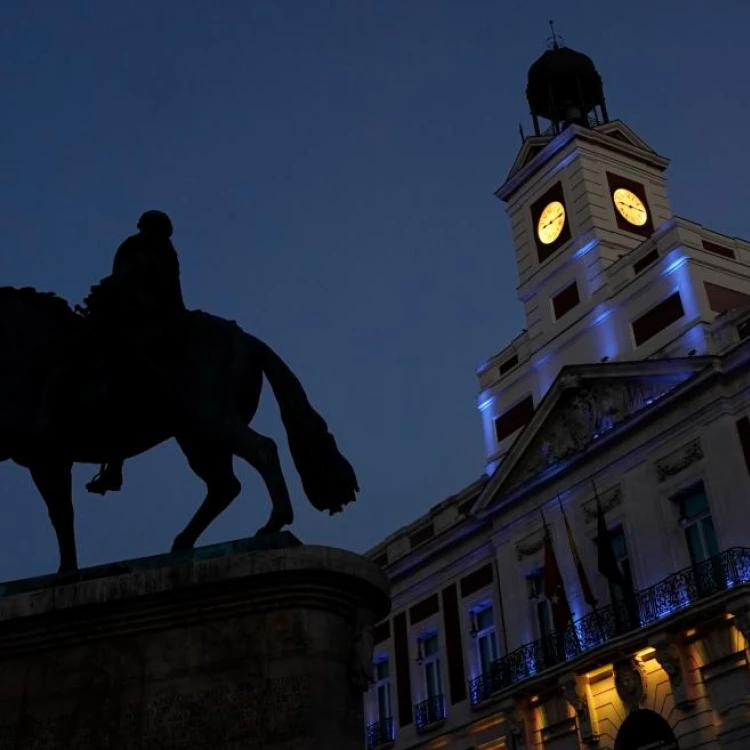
605, 270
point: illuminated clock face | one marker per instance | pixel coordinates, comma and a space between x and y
630, 207
551, 222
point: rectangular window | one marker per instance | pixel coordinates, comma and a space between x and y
422, 535
712, 247
645, 261
430, 653
616, 592
476, 580
721, 299
542, 611
483, 629
695, 517
657, 318
565, 300
382, 687
515, 418
509, 364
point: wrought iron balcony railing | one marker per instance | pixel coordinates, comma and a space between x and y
380, 733
674, 593
429, 712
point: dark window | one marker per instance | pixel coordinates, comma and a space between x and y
509, 364
743, 330
565, 300
700, 534
657, 318
619, 547
645, 261
424, 609
422, 535
721, 299
476, 580
515, 418
743, 431
712, 247
382, 631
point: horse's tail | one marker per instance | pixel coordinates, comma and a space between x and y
327, 477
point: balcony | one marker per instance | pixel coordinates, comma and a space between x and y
678, 592
380, 734
429, 713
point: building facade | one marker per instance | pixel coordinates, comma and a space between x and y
592, 588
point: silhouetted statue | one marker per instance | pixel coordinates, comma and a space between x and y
142, 291
134, 368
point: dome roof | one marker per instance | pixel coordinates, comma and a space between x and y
561, 82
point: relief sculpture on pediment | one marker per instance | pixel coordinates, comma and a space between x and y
581, 416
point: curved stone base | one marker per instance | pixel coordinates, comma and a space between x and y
218, 649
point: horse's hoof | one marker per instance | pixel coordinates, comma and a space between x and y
180, 545
274, 525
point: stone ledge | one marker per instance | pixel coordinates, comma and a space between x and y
227, 647
209, 583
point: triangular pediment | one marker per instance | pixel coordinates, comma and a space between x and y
618, 130
585, 405
531, 147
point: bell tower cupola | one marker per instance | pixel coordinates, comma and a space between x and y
564, 88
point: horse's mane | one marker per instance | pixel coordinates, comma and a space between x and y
47, 301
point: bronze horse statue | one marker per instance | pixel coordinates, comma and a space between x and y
116, 407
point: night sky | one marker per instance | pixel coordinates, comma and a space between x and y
329, 168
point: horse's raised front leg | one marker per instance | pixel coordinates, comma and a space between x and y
214, 467
54, 482
261, 453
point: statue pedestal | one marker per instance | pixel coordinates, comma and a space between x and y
229, 647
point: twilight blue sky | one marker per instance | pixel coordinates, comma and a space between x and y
329, 168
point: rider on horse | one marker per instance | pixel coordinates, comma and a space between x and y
143, 290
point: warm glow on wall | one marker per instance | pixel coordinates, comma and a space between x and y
493, 745
483, 725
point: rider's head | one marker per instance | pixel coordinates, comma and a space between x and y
155, 224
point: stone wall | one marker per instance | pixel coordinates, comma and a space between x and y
261, 649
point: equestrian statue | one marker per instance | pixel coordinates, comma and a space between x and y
133, 367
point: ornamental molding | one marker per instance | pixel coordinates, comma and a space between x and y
529, 545
609, 500
679, 460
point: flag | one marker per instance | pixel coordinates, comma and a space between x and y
553, 585
588, 594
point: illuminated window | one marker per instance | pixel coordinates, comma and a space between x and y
695, 519
483, 630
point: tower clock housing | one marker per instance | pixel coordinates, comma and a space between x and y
605, 269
